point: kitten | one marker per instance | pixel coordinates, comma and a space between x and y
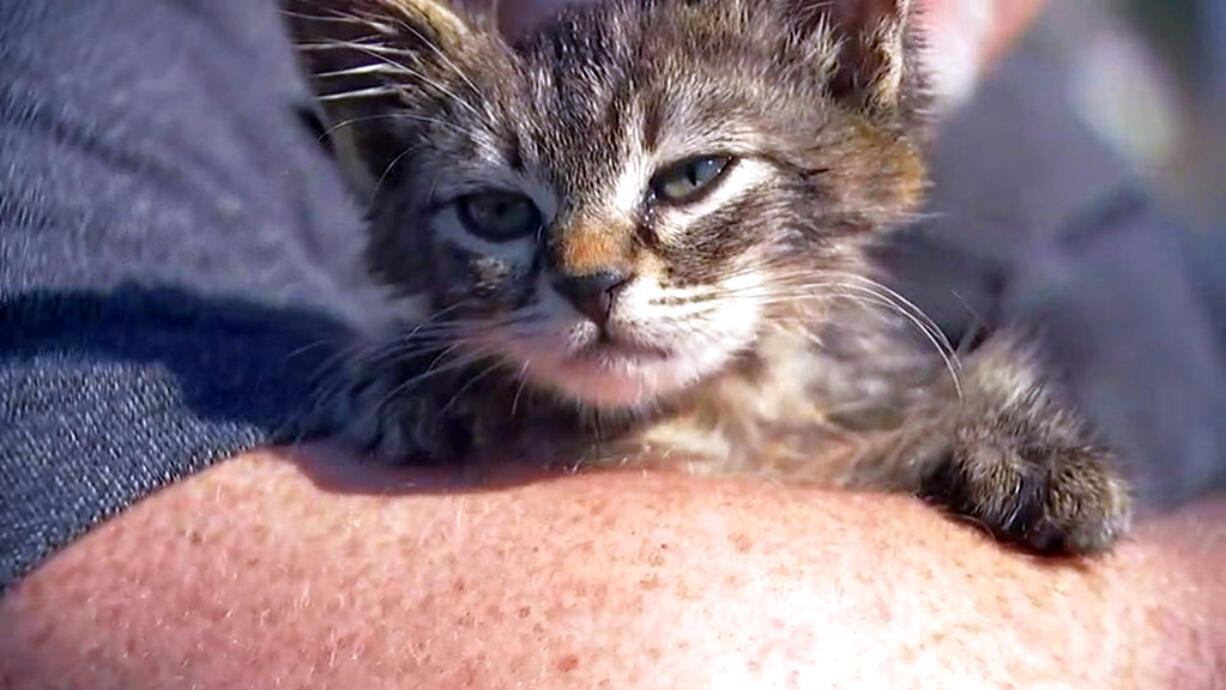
641, 232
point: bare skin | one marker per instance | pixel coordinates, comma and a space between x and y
301, 569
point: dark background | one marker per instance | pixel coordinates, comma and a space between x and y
1080, 195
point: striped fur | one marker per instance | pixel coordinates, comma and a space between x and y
744, 329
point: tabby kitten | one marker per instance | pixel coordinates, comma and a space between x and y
641, 231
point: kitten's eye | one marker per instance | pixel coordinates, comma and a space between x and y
688, 180
498, 216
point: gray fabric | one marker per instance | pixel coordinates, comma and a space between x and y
176, 255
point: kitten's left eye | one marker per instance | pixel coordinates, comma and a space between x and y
688, 180
498, 216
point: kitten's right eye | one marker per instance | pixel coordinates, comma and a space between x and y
690, 179
498, 216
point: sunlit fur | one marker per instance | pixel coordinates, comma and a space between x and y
750, 334
579, 118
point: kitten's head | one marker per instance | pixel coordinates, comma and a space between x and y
623, 202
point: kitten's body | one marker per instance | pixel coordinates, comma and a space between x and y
640, 234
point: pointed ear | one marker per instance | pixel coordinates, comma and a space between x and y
877, 63
366, 60
421, 33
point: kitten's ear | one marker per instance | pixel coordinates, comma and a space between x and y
876, 67
367, 59
422, 33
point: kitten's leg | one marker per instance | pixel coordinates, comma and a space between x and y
389, 410
1023, 464
1010, 457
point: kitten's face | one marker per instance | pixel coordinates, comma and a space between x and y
622, 204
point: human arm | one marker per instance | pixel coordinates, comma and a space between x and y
302, 569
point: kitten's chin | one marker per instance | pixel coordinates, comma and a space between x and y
626, 377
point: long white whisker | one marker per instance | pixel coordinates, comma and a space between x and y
339, 17
442, 56
381, 52
371, 92
865, 291
368, 68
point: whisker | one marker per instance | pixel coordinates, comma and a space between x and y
388, 169
374, 49
472, 380
908, 303
368, 68
949, 359
381, 53
875, 287
443, 57
339, 17
371, 92
395, 116
523, 381
863, 290
434, 369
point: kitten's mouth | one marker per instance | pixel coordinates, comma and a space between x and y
607, 371
618, 368
611, 348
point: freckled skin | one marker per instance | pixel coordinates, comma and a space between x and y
310, 570
748, 328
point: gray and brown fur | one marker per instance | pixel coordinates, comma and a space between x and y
841, 382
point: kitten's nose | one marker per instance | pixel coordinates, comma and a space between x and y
592, 294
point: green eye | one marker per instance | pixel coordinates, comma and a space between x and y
498, 216
688, 180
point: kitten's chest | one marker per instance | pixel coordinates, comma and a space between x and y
802, 407
807, 409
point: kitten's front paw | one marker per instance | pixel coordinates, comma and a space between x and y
373, 414
1052, 500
